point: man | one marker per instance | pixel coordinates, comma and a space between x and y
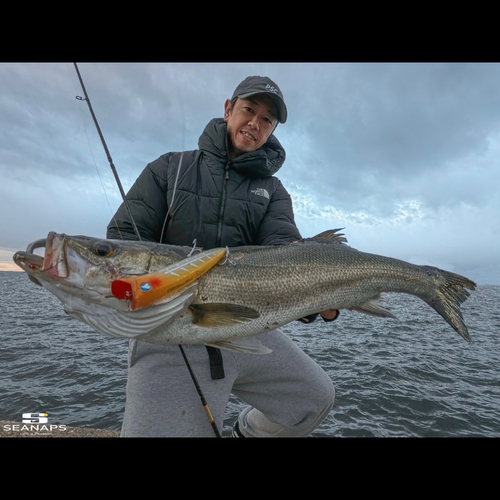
223, 194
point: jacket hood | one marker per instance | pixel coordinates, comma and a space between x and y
264, 162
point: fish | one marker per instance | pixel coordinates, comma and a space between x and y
248, 291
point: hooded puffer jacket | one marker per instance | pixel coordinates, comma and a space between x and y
217, 201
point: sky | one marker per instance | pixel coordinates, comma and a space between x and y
404, 156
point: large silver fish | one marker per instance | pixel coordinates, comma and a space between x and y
251, 290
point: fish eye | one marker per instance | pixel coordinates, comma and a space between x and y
103, 249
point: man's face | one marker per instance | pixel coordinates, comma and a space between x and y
250, 123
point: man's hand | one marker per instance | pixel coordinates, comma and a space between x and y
330, 314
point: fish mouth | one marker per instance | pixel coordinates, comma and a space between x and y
53, 264
30, 263
66, 272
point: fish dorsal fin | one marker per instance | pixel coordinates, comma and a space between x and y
213, 315
247, 345
329, 236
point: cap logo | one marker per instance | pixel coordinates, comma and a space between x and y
270, 88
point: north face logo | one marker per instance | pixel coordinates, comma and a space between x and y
260, 192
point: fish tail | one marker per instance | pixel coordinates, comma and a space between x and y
451, 293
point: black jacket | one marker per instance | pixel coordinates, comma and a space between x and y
218, 202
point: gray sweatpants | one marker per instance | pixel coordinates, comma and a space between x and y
288, 393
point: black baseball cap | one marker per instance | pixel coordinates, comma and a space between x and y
253, 85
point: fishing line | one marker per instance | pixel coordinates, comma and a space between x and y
125, 202
186, 361
173, 196
179, 166
110, 160
95, 164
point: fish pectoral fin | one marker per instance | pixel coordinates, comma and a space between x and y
213, 315
374, 308
247, 345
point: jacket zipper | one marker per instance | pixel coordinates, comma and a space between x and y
222, 205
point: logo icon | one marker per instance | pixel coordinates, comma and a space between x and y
34, 424
261, 192
145, 287
35, 418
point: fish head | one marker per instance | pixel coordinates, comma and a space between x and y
85, 267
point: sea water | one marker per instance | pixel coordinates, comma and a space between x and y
410, 377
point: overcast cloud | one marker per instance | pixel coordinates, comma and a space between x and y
406, 157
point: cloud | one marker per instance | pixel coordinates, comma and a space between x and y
405, 156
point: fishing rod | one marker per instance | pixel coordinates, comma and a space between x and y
125, 202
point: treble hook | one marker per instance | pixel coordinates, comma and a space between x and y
228, 259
